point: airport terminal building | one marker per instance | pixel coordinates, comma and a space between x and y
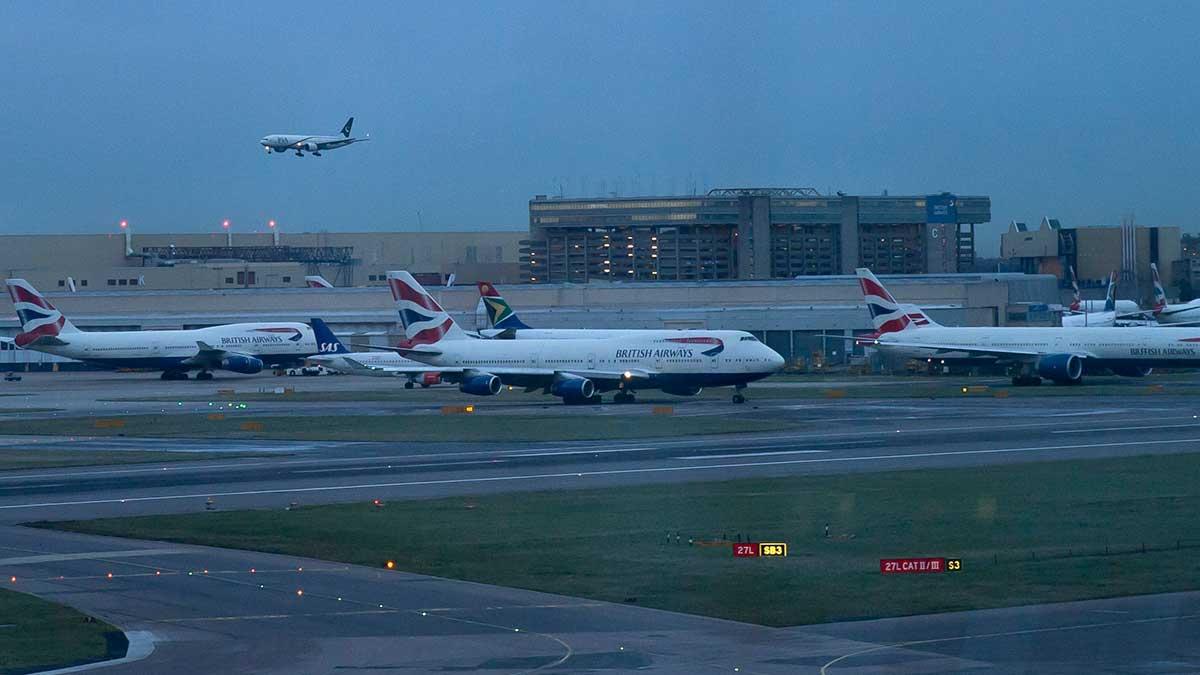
748, 233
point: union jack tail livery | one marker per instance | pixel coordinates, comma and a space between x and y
424, 320
888, 315
317, 281
1076, 301
39, 318
1160, 296
500, 314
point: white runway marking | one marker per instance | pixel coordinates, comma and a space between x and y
91, 555
400, 466
1148, 426
580, 474
755, 454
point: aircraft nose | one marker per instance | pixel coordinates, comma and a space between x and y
776, 360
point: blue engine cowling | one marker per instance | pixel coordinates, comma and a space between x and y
1061, 367
573, 389
246, 365
480, 385
1131, 371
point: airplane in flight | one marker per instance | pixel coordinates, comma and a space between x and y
335, 356
301, 143
1061, 355
1184, 314
577, 371
244, 348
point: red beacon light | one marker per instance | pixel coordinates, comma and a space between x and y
124, 224
225, 223
270, 223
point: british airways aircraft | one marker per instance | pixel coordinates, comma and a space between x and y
1183, 314
1061, 355
302, 143
244, 348
577, 370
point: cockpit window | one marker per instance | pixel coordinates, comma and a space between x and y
748, 338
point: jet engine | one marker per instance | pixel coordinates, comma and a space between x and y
246, 365
1062, 368
573, 389
430, 379
483, 384
311, 147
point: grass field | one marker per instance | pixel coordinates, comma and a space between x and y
38, 635
1026, 533
461, 428
12, 459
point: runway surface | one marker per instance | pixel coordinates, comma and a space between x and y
232, 619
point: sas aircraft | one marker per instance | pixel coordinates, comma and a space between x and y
301, 143
335, 356
579, 370
240, 347
1061, 355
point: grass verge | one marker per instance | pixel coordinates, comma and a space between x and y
1026, 533
455, 428
38, 635
40, 458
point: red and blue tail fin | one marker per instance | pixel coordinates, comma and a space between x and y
1076, 300
888, 315
500, 314
1160, 296
424, 320
38, 317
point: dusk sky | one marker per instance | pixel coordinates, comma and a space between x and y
152, 111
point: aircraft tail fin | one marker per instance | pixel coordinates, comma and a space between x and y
1110, 299
888, 315
1076, 301
346, 127
1160, 295
317, 281
39, 318
327, 342
424, 320
500, 314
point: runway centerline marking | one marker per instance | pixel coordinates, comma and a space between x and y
755, 454
581, 474
1148, 426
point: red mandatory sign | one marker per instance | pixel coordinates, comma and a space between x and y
912, 565
747, 550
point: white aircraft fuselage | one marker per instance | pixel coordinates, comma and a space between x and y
274, 344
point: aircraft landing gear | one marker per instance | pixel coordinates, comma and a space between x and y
623, 397
408, 385
738, 396
204, 375
299, 154
1024, 380
174, 375
316, 154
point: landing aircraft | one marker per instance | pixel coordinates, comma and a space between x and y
577, 371
1061, 355
302, 143
1185, 314
240, 347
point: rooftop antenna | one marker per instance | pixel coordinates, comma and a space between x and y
420, 223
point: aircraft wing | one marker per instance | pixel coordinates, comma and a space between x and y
999, 352
360, 368
411, 352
